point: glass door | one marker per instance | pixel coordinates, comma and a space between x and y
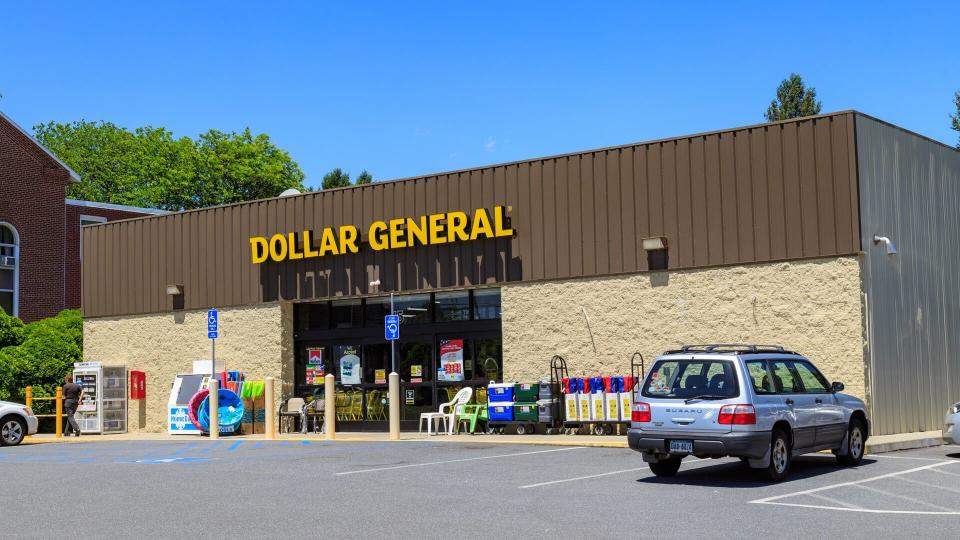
415, 359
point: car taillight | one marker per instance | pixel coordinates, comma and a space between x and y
737, 415
640, 412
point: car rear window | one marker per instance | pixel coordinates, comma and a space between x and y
685, 379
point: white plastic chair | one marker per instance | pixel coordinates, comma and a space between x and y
447, 413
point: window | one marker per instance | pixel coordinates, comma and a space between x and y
486, 304
683, 379
452, 306
784, 379
376, 310
757, 369
488, 365
9, 269
415, 308
88, 220
346, 313
313, 316
813, 381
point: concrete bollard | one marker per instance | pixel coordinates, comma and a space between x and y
214, 402
329, 408
270, 414
58, 430
394, 393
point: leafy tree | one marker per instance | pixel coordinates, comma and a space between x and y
955, 118
11, 330
46, 354
364, 178
150, 167
336, 179
794, 100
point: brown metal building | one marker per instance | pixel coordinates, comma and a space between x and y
745, 234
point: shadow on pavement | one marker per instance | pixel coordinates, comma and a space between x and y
736, 474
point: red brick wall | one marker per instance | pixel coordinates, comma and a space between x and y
71, 233
32, 189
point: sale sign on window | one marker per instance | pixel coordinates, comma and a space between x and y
451, 360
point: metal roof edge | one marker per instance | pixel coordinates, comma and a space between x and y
73, 174
121, 207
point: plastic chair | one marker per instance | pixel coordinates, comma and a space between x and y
473, 414
448, 412
290, 409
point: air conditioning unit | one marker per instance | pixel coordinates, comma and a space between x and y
8, 261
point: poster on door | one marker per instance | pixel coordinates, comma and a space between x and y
314, 370
349, 365
451, 360
314, 357
416, 373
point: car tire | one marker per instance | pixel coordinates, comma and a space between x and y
779, 456
855, 446
666, 467
12, 431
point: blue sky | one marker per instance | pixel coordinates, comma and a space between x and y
408, 88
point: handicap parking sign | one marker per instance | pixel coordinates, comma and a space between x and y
213, 324
391, 327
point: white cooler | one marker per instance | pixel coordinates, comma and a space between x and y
571, 408
612, 407
626, 401
583, 404
596, 407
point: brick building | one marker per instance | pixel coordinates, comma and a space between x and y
40, 268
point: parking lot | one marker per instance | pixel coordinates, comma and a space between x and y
441, 490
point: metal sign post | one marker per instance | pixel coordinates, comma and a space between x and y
391, 332
213, 330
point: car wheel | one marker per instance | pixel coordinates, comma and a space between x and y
779, 456
666, 467
12, 431
855, 446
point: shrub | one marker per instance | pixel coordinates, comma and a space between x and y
11, 330
45, 354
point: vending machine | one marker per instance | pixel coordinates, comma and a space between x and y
103, 408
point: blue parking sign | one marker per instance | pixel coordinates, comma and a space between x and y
391, 327
213, 324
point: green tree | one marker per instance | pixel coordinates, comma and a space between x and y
794, 100
11, 330
47, 353
364, 178
336, 179
150, 167
955, 118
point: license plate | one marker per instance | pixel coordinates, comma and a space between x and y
681, 447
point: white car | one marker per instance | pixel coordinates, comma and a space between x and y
16, 422
761, 404
950, 420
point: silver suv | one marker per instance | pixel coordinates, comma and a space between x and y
759, 403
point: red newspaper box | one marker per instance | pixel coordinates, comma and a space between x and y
138, 385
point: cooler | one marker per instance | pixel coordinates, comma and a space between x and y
545, 391
545, 410
611, 409
527, 393
500, 412
500, 392
525, 412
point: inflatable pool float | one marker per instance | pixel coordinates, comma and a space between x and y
229, 409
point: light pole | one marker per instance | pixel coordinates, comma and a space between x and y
393, 381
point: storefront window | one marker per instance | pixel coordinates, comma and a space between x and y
376, 310
488, 364
415, 308
313, 364
376, 363
346, 313
452, 355
313, 316
486, 304
452, 306
416, 362
349, 368
416, 400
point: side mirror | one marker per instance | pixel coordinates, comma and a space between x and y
836, 387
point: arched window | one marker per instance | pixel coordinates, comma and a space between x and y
9, 268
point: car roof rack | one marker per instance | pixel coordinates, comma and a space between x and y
735, 348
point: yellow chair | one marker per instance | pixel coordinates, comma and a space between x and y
356, 405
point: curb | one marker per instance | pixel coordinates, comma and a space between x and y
534, 442
909, 444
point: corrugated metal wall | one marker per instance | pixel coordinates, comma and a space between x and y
762, 193
910, 192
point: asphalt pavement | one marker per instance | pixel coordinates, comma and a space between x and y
257, 489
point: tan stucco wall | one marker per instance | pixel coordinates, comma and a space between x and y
258, 339
812, 307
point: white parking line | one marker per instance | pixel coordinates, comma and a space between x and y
903, 457
457, 461
550, 483
834, 501
903, 497
932, 467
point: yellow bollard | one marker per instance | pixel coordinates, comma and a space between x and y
270, 414
214, 409
393, 390
329, 408
29, 395
58, 420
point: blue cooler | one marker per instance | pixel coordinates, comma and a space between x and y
500, 393
500, 411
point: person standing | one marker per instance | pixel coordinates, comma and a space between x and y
72, 394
